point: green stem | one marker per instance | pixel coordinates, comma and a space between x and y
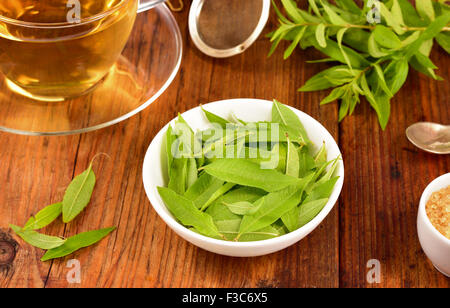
364, 26
368, 68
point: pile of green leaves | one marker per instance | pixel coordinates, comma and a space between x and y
373, 59
233, 197
76, 198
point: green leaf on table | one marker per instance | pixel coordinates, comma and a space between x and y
443, 40
382, 107
424, 65
339, 38
37, 239
278, 12
385, 37
292, 10
425, 9
77, 242
334, 51
295, 42
344, 106
44, 217
314, 7
334, 95
320, 35
426, 47
396, 11
395, 74
410, 38
187, 213
325, 60
381, 80
433, 29
374, 49
357, 91
334, 18
244, 172
425, 61
441, 7
356, 39
322, 80
349, 5
391, 20
277, 37
78, 194
309, 17
409, 13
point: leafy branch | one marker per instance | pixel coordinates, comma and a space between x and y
374, 54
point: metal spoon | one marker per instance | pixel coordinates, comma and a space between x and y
430, 137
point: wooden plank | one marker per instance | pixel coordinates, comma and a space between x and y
34, 172
386, 176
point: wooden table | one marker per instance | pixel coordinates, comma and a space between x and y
375, 217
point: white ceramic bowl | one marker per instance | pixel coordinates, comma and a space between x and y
435, 245
155, 174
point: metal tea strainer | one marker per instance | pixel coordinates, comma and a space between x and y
224, 28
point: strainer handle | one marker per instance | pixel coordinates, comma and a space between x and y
145, 5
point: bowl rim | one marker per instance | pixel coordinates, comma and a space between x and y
288, 237
426, 194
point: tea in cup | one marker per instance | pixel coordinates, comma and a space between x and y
52, 50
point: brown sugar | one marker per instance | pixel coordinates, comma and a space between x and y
438, 210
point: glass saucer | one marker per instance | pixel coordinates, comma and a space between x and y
146, 68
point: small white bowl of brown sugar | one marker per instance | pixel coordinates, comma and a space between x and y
433, 223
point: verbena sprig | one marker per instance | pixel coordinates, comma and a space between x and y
77, 196
374, 57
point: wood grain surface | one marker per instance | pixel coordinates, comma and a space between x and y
375, 217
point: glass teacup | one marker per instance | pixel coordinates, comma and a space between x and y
52, 50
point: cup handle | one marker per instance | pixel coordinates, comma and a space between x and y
145, 5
